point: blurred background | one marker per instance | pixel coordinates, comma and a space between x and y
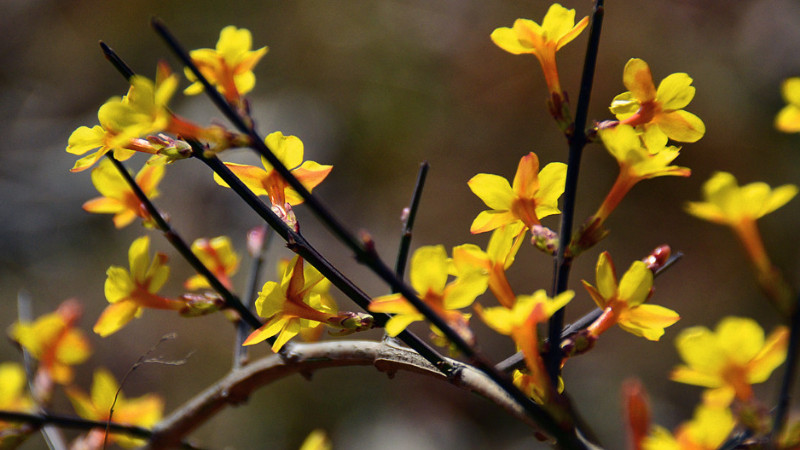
375, 88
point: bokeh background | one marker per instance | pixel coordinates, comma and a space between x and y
374, 88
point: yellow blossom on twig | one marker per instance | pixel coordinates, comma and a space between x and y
520, 322
623, 302
229, 66
129, 291
731, 358
293, 305
118, 197
219, 257
532, 196
105, 396
55, 342
543, 41
267, 181
658, 112
738, 207
430, 268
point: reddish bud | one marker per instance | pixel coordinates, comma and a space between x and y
658, 257
637, 412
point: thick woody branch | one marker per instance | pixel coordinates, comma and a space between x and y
306, 358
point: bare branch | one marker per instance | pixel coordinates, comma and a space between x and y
306, 358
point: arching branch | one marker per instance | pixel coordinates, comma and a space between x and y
306, 358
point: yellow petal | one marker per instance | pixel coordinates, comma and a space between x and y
290, 329
624, 105
634, 287
741, 338
778, 197
675, 91
790, 88
429, 269
392, 304
526, 180
681, 126
74, 348
494, 190
119, 284
788, 119
288, 149
771, 355
506, 39
648, 321
499, 318
606, 277
253, 177
462, 292
638, 80
104, 390
698, 346
85, 139
490, 220
269, 329
115, 316
552, 180
270, 300
103, 205
398, 323
139, 258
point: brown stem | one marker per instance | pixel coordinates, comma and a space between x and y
305, 358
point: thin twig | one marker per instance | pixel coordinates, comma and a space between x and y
142, 360
784, 397
409, 215
41, 419
253, 278
576, 144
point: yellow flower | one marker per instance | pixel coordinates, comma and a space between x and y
123, 120
543, 41
623, 303
267, 181
144, 411
658, 111
636, 163
54, 341
292, 306
311, 331
118, 197
130, 291
498, 257
727, 203
430, 268
533, 195
520, 322
788, 119
219, 257
730, 359
113, 134
708, 430
229, 67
